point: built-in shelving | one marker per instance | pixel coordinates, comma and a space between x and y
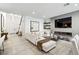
47, 25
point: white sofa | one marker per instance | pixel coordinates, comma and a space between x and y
34, 38
2, 42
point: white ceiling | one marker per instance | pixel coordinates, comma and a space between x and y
39, 10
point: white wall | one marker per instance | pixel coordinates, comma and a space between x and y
75, 23
27, 24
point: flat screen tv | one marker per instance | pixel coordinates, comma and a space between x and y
63, 22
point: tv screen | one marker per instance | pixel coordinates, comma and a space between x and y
63, 22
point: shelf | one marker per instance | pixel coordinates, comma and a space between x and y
47, 25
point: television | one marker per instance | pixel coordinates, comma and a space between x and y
63, 22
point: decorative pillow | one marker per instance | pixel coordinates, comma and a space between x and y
61, 37
52, 35
55, 36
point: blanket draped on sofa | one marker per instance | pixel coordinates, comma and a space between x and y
39, 43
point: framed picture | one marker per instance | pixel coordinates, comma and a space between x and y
34, 26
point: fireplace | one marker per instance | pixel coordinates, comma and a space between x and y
63, 33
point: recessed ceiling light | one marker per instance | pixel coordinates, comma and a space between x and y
33, 12
76, 4
44, 16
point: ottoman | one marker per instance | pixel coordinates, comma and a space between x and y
48, 45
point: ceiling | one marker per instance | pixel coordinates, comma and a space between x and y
38, 10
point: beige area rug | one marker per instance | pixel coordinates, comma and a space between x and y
63, 48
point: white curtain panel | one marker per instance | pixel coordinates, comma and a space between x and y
0, 23
12, 23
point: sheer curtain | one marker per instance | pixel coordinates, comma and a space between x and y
12, 23
0, 23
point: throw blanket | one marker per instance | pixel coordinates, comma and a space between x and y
39, 43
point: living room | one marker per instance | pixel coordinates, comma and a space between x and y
37, 31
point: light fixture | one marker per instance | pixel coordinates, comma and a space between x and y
75, 4
44, 16
33, 11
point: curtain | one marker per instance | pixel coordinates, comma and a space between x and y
12, 23
0, 23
